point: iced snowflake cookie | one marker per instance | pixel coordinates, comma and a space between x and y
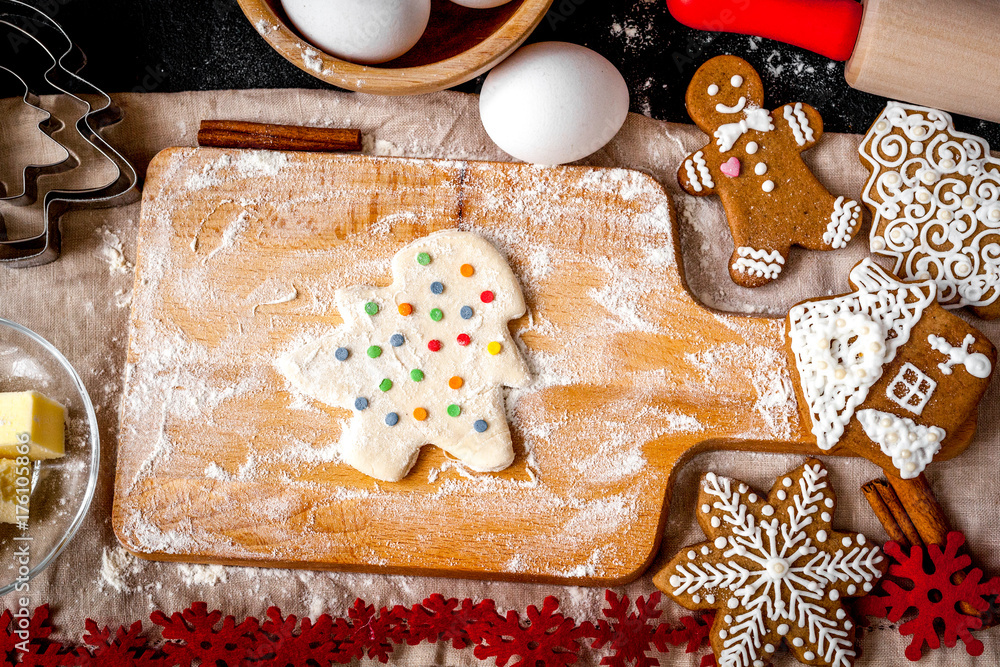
935, 197
774, 570
753, 163
423, 361
887, 372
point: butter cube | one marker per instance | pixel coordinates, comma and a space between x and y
29, 418
11, 495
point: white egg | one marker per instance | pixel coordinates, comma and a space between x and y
480, 4
553, 103
361, 31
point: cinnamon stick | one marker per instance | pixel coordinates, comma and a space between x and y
261, 136
885, 514
923, 508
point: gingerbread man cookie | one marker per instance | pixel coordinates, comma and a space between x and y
934, 193
887, 372
753, 163
774, 570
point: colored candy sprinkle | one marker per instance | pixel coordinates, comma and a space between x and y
454, 410
480, 426
464, 339
437, 314
374, 352
391, 419
420, 414
396, 340
467, 270
487, 296
417, 375
456, 382
386, 385
437, 287
405, 309
342, 353
494, 348
466, 313
361, 403
423, 259
371, 308
434, 345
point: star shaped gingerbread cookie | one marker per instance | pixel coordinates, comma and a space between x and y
774, 570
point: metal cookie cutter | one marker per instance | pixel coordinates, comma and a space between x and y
38, 53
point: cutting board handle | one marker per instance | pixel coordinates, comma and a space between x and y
827, 27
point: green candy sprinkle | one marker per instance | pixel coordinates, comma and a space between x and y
437, 315
386, 385
423, 259
371, 308
374, 352
417, 375
454, 410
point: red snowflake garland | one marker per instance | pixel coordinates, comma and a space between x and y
934, 596
197, 636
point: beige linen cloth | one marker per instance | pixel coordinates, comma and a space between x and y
80, 303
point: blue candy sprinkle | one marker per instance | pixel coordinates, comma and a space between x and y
466, 313
397, 340
361, 404
342, 353
437, 287
391, 419
480, 426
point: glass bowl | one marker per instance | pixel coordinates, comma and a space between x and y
61, 489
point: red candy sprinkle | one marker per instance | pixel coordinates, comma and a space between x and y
464, 339
434, 346
487, 296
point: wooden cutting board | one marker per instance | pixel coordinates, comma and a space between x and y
240, 255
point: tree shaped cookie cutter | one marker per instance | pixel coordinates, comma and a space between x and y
29, 28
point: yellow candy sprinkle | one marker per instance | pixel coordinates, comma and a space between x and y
494, 348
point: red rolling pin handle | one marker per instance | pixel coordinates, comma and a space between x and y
828, 27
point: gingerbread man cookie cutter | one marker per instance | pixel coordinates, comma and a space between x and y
54, 60
753, 163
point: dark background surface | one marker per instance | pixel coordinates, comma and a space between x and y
177, 45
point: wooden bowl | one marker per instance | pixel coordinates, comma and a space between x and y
459, 45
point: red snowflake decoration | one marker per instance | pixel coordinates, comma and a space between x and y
439, 619
934, 596
549, 638
281, 646
632, 635
201, 641
366, 631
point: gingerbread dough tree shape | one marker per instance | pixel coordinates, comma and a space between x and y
887, 372
754, 164
774, 570
935, 197
423, 361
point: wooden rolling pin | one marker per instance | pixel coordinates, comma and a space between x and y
928, 52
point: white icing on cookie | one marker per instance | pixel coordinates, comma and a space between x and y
736, 108
841, 344
713, 90
760, 168
756, 119
767, 186
394, 371
799, 122
736, 81
760, 263
937, 210
703, 177
978, 365
773, 574
910, 446
911, 389
844, 220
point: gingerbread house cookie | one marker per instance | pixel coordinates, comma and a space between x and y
774, 570
754, 164
887, 372
934, 193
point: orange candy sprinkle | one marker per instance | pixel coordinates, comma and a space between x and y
405, 309
456, 382
420, 414
467, 270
